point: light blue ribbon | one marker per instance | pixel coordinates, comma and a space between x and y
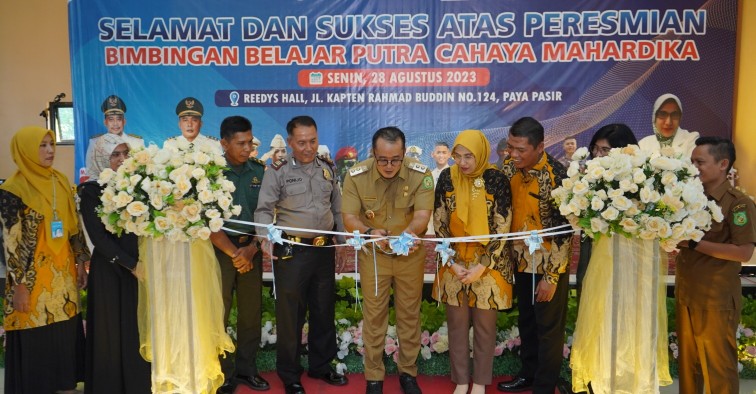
445, 251
356, 241
401, 244
534, 242
274, 234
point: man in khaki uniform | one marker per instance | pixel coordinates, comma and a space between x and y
389, 194
707, 285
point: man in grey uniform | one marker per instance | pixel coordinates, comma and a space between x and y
303, 193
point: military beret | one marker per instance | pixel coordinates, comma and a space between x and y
346, 152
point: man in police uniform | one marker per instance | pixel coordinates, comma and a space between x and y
114, 110
707, 285
303, 193
389, 194
239, 257
190, 111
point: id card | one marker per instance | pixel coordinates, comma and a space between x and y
57, 229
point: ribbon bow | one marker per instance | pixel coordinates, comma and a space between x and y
534, 241
401, 244
356, 241
274, 234
445, 251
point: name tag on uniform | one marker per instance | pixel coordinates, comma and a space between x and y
57, 229
370, 198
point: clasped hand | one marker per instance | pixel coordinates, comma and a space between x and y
468, 275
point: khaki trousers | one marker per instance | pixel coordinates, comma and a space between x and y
484, 341
405, 275
708, 355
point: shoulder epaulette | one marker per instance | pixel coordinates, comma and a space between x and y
210, 137
134, 136
257, 161
276, 165
357, 170
171, 138
325, 160
419, 167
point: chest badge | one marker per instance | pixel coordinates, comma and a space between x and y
369, 214
326, 174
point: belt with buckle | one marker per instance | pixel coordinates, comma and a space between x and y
317, 241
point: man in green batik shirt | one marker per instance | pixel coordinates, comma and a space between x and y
239, 256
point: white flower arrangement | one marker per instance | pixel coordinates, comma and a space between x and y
636, 194
178, 193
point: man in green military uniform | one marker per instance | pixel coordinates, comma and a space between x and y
239, 256
707, 284
389, 194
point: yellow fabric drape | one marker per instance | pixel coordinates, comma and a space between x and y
36, 185
471, 208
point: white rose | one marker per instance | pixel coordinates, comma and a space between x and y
162, 156
236, 210
582, 202
631, 150
176, 160
647, 235
182, 143
122, 199
638, 176
610, 214
573, 169
601, 194
203, 184
219, 160
201, 158
565, 209
204, 233
131, 227
212, 213
134, 179
622, 203
224, 202
678, 230
702, 218
105, 176
629, 225
716, 211
183, 185
574, 207
568, 183
594, 172
228, 185
597, 203
129, 165
162, 224
664, 230
665, 163
614, 193
192, 212
156, 200
655, 224
609, 175
633, 210
137, 208
649, 195
142, 157
164, 188
123, 183
198, 173
146, 185
672, 202
580, 188
215, 224
599, 226
668, 178
206, 196
580, 154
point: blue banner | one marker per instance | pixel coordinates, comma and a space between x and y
432, 68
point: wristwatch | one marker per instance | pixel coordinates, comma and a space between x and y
368, 231
692, 244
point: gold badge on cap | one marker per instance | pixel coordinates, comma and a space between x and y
112, 102
189, 103
369, 214
326, 174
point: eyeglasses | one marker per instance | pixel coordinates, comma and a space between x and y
466, 157
116, 154
596, 149
661, 115
385, 162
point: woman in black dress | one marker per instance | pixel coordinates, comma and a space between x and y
113, 362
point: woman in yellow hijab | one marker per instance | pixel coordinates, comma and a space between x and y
473, 198
43, 245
